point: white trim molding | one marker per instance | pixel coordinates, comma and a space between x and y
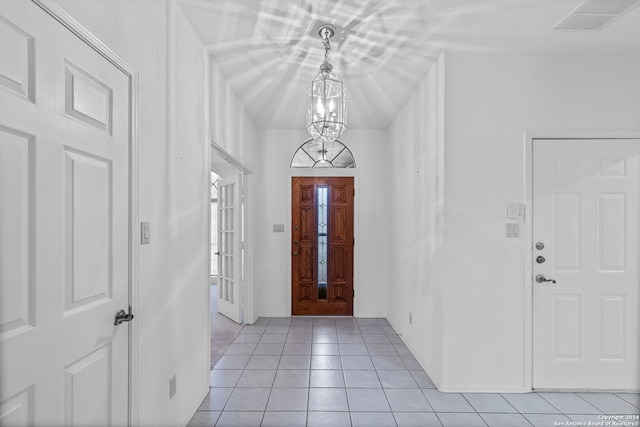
217, 144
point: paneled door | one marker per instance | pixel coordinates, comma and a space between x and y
322, 246
230, 247
586, 237
64, 226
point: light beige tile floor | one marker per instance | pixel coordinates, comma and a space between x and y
320, 371
223, 330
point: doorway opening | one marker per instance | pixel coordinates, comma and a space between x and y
227, 250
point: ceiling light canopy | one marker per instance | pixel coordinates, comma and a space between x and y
326, 98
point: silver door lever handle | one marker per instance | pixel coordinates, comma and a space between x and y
540, 279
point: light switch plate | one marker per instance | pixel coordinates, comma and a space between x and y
515, 210
145, 233
278, 228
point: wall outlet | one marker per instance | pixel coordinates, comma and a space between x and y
172, 386
278, 228
410, 319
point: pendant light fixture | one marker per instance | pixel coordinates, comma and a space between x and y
326, 98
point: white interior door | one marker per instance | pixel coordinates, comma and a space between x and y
229, 247
64, 207
586, 214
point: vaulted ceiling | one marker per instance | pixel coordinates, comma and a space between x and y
269, 50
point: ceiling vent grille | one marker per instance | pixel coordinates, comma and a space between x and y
593, 15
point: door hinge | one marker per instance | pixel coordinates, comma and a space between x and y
354, 192
354, 241
353, 293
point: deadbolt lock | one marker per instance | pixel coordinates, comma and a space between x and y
539, 246
540, 259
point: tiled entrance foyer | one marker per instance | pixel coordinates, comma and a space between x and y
319, 371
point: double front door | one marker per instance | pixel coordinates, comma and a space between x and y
322, 246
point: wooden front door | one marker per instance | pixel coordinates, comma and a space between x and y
322, 246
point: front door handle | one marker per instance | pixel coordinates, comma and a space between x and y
122, 316
541, 279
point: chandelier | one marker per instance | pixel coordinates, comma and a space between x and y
326, 98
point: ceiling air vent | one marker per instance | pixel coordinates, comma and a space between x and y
595, 14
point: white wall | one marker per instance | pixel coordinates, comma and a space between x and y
273, 206
490, 100
416, 153
232, 128
172, 302
231, 125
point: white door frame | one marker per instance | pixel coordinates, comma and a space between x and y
61, 15
246, 285
527, 243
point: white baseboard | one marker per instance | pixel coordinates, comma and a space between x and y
472, 388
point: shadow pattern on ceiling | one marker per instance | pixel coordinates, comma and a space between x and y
269, 51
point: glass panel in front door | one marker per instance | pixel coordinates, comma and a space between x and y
322, 204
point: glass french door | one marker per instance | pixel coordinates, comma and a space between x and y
229, 247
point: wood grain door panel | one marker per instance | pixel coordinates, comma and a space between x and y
307, 298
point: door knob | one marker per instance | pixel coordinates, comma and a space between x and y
540, 259
295, 253
122, 316
539, 246
541, 279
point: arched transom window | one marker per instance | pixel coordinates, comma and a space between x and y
319, 154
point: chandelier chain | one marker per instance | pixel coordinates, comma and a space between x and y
327, 45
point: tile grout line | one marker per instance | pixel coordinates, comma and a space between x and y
345, 330
565, 414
